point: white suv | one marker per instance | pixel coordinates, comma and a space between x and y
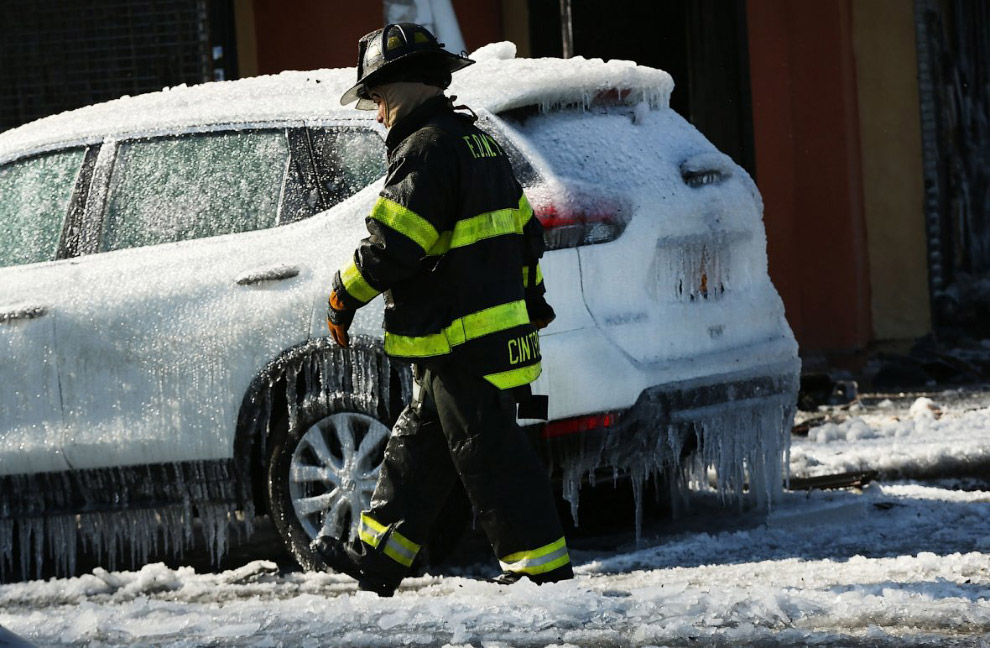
165, 262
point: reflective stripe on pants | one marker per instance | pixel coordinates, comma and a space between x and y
462, 431
538, 561
397, 547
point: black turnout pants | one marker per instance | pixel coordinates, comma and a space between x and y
459, 426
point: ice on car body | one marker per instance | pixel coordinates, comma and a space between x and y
666, 291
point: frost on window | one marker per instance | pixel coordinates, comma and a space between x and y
34, 198
348, 160
175, 189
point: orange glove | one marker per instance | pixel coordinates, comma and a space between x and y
339, 319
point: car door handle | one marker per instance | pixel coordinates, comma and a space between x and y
22, 312
274, 273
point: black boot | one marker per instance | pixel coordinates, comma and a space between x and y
359, 563
564, 572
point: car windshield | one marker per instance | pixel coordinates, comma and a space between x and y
34, 198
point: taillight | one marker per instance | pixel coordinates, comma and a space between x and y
588, 422
569, 229
572, 219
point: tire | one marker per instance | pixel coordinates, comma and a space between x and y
324, 457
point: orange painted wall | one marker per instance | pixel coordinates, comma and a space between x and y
480, 22
806, 131
308, 34
317, 33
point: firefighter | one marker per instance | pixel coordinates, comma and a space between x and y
454, 246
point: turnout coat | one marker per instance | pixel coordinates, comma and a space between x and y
454, 245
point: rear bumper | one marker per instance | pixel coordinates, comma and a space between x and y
583, 372
737, 423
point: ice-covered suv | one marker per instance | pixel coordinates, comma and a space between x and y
164, 267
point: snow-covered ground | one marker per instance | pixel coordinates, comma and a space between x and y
898, 563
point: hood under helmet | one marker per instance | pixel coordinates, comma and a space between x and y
401, 52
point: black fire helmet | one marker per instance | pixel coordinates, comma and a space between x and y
400, 52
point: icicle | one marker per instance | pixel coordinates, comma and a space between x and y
638, 475
741, 444
34, 520
61, 537
214, 520
572, 489
6, 547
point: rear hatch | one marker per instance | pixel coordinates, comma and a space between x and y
668, 231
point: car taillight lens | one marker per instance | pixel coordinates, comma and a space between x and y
565, 427
567, 229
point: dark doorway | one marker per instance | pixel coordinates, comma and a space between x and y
701, 43
954, 82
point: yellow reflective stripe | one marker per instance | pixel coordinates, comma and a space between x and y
485, 226
406, 222
461, 330
370, 530
442, 244
537, 561
404, 542
369, 538
425, 346
515, 377
355, 284
397, 547
525, 212
539, 275
485, 322
397, 554
401, 549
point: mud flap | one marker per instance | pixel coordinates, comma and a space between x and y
530, 405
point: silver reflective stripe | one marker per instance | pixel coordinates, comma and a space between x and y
400, 554
538, 564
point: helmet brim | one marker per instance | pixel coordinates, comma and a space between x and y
359, 91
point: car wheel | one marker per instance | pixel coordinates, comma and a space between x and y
323, 458
321, 471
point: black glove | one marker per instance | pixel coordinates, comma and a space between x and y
540, 312
339, 320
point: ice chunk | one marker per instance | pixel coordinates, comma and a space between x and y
495, 52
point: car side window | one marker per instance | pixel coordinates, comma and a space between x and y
34, 199
348, 159
194, 186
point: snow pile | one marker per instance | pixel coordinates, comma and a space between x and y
913, 570
925, 441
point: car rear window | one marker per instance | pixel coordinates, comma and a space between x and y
34, 199
179, 188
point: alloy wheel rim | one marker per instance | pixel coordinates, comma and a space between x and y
333, 472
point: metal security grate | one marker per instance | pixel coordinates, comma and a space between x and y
56, 55
954, 80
